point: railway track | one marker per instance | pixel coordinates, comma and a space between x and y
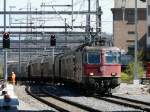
145, 106
58, 103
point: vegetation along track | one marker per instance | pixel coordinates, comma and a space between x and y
126, 102
58, 103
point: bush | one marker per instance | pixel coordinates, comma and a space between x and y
130, 72
124, 77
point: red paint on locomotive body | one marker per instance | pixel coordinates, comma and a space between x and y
95, 69
108, 65
107, 70
111, 70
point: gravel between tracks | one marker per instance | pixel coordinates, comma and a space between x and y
28, 104
89, 101
130, 91
137, 92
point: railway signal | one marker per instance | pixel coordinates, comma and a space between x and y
53, 40
6, 40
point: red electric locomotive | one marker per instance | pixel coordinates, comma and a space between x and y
93, 68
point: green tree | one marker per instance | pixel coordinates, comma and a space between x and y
130, 69
124, 77
128, 74
141, 55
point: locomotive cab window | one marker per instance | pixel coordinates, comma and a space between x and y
112, 57
92, 58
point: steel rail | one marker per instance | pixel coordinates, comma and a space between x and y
126, 102
132, 100
44, 101
74, 104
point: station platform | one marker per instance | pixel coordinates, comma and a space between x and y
8, 97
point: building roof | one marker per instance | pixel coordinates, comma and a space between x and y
128, 4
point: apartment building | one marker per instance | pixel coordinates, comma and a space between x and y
124, 25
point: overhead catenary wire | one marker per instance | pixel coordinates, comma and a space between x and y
61, 17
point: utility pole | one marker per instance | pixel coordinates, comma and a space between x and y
88, 37
98, 22
136, 81
20, 53
65, 32
72, 14
5, 50
89, 9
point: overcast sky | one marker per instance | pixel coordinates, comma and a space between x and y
78, 4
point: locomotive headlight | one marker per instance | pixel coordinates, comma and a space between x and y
113, 74
91, 73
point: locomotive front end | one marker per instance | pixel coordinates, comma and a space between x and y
102, 63
111, 65
102, 68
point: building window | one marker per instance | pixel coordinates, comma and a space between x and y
130, 16
118, 16
131, 32
148, 31
148, 9
131, 50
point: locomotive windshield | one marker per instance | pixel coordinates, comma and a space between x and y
112, 57
93, 58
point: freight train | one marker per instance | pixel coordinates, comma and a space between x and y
94, 69
91, 68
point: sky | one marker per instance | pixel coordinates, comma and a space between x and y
78, 4
107, 15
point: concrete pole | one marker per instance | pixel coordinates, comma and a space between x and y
72, 14
20, 53
136, 81
88, 21
53, 54
98, 22
5, 50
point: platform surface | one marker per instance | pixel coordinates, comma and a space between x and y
14, 100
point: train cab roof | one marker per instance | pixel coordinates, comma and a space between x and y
93, 48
